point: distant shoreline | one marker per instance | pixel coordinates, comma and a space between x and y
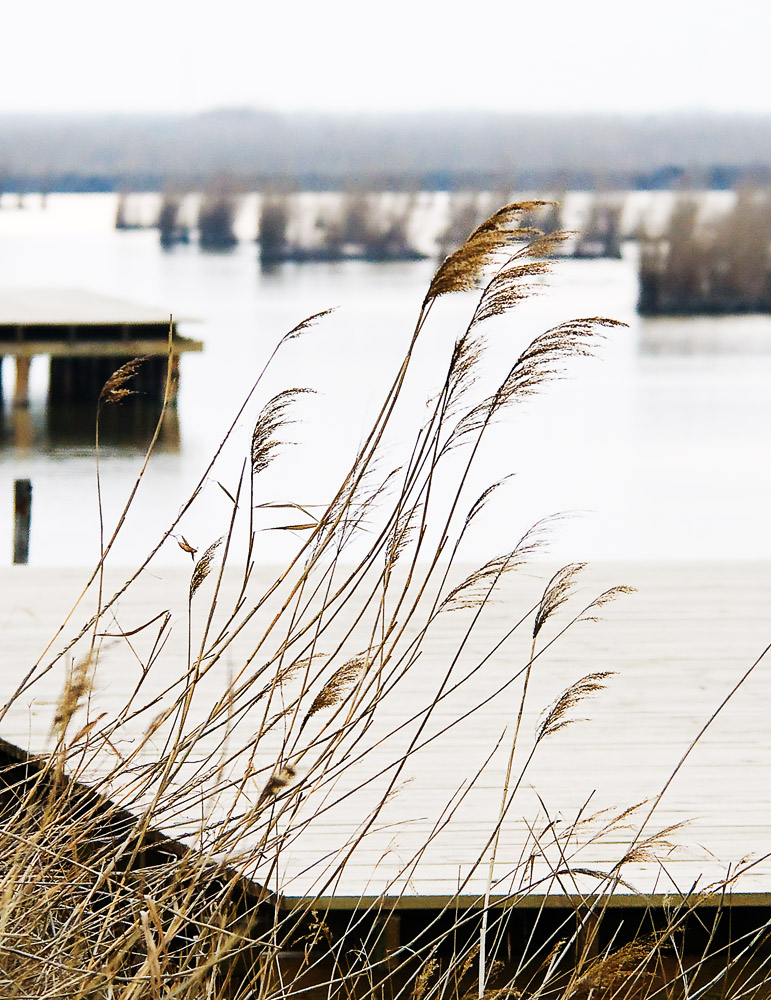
437, 151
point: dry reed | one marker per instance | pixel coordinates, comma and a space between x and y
149, 854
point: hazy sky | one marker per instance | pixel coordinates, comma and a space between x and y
356, 55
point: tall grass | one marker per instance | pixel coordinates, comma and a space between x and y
304, 698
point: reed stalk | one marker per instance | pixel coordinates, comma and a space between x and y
151, 850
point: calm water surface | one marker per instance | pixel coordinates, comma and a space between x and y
659, 447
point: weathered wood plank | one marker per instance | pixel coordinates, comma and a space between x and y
677, 647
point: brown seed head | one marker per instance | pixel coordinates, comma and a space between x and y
116, 388
203, 567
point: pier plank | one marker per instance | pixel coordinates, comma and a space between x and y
676, 647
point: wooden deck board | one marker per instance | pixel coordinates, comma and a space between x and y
73, 307
677, 647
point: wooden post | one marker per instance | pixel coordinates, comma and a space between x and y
23, 434
21, 396
22, 511
387, 940
587, 944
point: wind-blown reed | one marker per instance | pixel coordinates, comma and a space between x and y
276, 719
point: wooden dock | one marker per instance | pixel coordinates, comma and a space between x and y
87, 336
677, 648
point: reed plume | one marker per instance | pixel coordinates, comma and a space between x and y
605, 598
203, 567
76, 688
271, 419
543, 361
174, 871
117, 387
465, 269
337, 685
556, 717
304, 325
280, 780
557, 592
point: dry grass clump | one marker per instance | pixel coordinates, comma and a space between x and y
153, 851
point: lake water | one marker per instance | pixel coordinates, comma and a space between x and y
659, 446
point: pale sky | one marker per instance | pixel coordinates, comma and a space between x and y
355, 55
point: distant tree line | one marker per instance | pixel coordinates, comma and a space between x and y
668, 178
361, 224
359, 227
396, 152
709, 265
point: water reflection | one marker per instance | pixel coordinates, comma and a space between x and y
706, 335
127, 427
664, 447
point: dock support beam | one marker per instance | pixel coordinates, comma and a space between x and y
587, 933
387, 939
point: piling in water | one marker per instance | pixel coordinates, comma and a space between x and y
22, 510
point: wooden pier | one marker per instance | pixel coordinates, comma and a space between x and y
87, 337
677, 647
